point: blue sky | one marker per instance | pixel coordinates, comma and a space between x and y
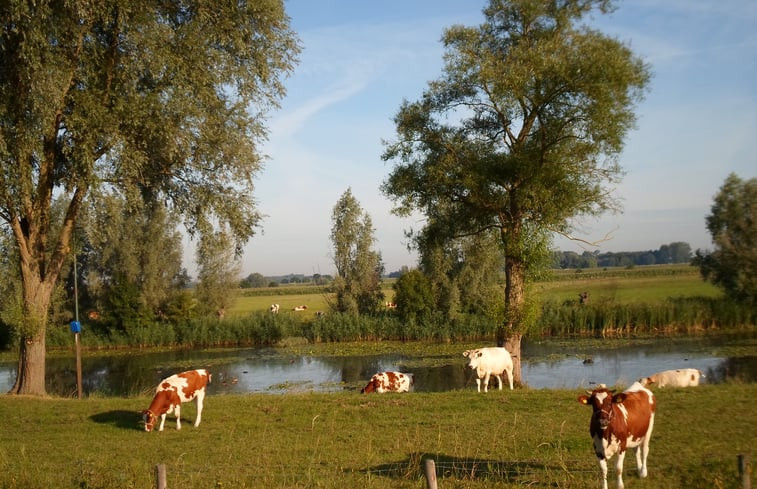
361, 59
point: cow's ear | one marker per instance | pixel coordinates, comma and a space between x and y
619, 397
583, 399
466, 353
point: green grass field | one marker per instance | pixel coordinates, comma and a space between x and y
640, 284
523, 438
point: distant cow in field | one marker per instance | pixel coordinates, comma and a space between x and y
173, 391
490, 361
299, 308
684, 377
621, 421
274, 308
391, 305
389, 382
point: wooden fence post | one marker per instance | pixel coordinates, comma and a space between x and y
160, 476
745, 470
429, 469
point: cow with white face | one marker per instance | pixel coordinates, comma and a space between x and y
171, 392
621, 421
682, 377
490, 361
389, 382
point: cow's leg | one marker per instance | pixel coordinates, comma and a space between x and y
177, 412
162, 421
510, 378
199, 399
619, 468
478, 384
643, 450
603, 471
486, 382
499, 380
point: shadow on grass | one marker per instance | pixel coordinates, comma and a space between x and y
120, 418
462, 468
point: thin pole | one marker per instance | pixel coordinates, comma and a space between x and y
76, 335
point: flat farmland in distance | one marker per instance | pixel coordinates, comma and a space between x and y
644, 284
628, 288
316, 301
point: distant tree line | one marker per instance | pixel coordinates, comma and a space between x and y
257, 280
677, 252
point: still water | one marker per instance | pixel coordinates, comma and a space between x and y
269, 370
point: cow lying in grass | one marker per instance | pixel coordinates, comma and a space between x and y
683, 377
173, 391
389, 382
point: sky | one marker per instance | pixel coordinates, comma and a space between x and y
360, 60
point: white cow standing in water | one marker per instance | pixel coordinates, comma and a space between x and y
490, 361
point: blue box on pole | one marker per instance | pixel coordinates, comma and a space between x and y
75, 327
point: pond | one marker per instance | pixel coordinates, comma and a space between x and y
545, 365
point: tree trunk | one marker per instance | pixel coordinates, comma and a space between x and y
512, 344
30, 379
510, 334
31, 366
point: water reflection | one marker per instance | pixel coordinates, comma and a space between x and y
268, 370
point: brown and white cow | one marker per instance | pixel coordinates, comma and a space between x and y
621, 421
490, 361
389, 382
171, 392
274, 308
300, 308
683, 377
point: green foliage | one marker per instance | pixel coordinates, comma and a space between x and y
520, 134
218, 269
435, 327
732, 225
153, 102
413, 296
254, 280
129, 261
358, 266
671, 317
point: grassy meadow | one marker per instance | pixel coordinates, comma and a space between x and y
639, 284
523, 438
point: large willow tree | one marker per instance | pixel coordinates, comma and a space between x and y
520, 134
150, 100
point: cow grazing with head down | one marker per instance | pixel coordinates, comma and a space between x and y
389, 382
490, 361
173, 391
621, 421
683, 377
274, 308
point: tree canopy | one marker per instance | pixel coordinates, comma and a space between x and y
152, 101
520, 134
358, 266
732, 265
